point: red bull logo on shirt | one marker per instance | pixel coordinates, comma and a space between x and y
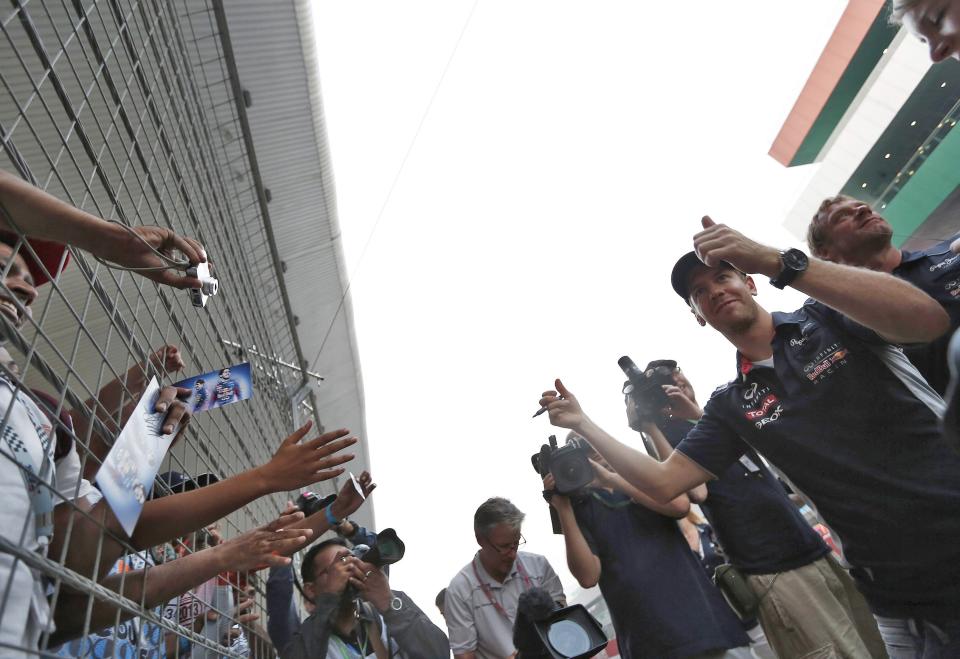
818, 371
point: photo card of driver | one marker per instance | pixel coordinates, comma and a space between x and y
126, 477
218, 388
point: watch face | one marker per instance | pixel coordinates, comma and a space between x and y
795, 259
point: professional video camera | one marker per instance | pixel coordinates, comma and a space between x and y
571, 471
543, 630
569, 465
645, 388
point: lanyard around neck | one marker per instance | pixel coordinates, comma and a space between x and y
37, 479
343, 649
485, 587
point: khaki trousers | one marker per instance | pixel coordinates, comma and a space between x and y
816, 612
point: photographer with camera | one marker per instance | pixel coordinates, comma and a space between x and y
481, 602
322, 514
660, 599
802, 598
356, 614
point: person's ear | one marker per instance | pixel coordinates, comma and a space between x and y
751, 285
699, 318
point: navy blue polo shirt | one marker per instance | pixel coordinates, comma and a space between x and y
760, 529
936, 271
849, 421
662, 604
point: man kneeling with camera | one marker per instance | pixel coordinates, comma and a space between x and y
356, 614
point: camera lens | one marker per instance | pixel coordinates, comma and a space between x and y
568, 638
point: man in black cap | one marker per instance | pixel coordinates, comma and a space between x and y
828, 398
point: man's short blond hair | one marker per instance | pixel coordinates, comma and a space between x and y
900, 7
817, 231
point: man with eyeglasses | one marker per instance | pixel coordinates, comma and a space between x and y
387, 623
481, 601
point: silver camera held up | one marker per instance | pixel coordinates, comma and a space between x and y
209, 286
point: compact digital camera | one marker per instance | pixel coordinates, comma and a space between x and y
209, 286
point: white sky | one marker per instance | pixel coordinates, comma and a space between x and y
563, 167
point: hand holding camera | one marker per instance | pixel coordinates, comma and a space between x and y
603, 477
556, 500
681, 407
372, 585
344, 568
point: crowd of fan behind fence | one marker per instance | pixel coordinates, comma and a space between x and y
60, 539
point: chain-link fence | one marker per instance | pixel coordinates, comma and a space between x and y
131, 110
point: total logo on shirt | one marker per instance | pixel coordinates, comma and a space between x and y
761, 406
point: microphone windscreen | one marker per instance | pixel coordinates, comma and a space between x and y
536, 604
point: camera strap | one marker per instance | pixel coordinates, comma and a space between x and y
485, 587
610, 503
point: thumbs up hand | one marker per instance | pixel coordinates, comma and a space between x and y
718, 243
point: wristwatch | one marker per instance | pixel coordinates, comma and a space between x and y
792, 263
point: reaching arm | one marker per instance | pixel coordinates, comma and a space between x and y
895, 309
661, 481
583, 563
283, 619
348, 501
313, 636
40, 215
416, 636
293, 465
159, 584
697, 494
677, 507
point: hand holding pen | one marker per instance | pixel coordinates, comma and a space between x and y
563, 408
542, 409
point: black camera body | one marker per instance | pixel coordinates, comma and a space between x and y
645, 388
388, 549
311, 503
569, 465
